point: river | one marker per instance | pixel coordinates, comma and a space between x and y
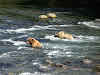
18, 58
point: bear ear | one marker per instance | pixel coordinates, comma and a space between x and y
33, 39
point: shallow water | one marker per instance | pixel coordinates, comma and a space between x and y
18, 58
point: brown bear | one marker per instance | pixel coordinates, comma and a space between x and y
35, 43
64, 35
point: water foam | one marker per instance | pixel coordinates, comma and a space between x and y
20, 30
8, 54
4, 55
22, 36
24, 30
35, 73
90, 24
53, 53
16, 43
27, 73
79, 38
19, 48
2, 31
62, 25
59, 54
65, 25
51, 37
36, 27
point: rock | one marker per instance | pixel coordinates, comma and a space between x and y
97, 68
51, 15
87, 61
43, 17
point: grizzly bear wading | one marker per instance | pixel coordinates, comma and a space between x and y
64, 35
35, 43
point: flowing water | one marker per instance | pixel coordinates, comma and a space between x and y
18, 58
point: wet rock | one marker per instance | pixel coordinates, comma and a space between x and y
51, 15
67, 62
87, 61
97, 68
43, 17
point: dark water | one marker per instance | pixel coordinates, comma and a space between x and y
18, 58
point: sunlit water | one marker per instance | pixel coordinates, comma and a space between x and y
18, 58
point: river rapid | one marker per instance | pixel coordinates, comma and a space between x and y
18, 58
